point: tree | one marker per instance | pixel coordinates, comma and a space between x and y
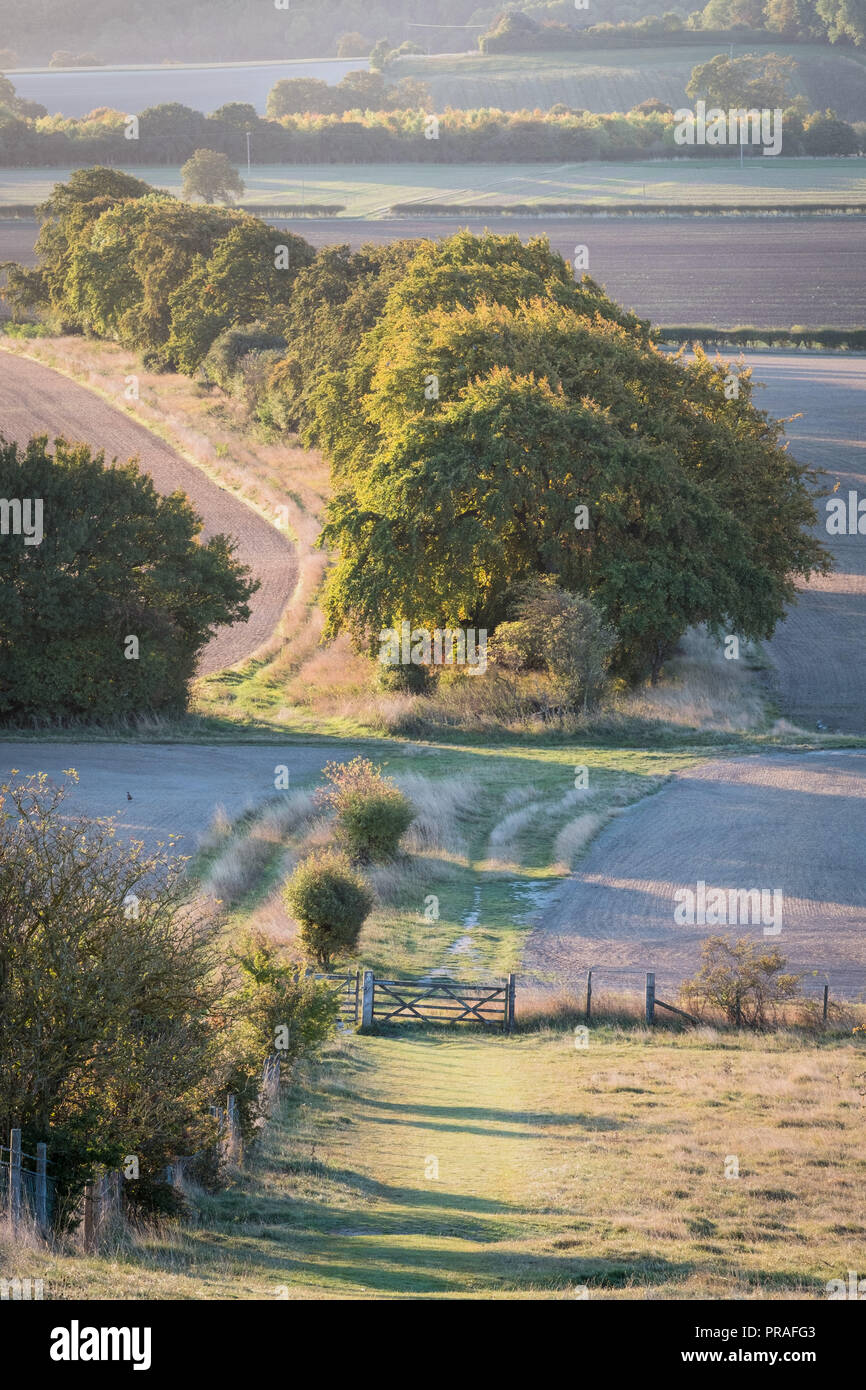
363, 89
793, 18
121, 277
558, 441
171, 133
278, 1008
825, 134
352, 45
67, 218
751, 81
331, 902
373, 815
292, 95
742, 979
248, 278
562, 634
107, 614
108, 986
845, 20
335, 301
733, 14
212, 177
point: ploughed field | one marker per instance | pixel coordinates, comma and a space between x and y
771, 272
35, 400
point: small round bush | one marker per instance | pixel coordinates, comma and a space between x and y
409, 679
331, 902
371, 826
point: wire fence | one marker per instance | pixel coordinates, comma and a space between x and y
27, 1188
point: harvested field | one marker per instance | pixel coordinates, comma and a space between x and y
35, 400
771, 272
794, 822
818, 651
175, 790
369, 190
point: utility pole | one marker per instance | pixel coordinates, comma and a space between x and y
248, 153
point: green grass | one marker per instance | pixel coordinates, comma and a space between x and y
369, 190
482, 1167
487, 891
617, 79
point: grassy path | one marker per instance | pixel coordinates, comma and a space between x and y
442, 1166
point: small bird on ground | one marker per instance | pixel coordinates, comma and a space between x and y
128, 797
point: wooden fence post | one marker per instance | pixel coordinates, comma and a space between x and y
15, 1176
89, 1215
826, 1001
588, 995
510, 993
650, 998
367, 1000
235, 1147
42, 1186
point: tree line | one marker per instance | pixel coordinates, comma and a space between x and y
171, 133
745, 21
550, 403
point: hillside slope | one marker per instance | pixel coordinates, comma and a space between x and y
618, 78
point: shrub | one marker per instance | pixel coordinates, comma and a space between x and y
331, 902
116, 562
741, 979
371, 827
372, 813
108, 996
562, 633
408, 678
227, 353
282, 1010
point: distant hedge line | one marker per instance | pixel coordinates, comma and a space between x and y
293, 209
854, 339
636, 209
565, 36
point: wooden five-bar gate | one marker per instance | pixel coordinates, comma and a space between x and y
437, 999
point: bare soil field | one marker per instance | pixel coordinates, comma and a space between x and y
35, 400
793, 822
818, 651
773, 272
175, 789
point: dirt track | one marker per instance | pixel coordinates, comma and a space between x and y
35, 400
794, 822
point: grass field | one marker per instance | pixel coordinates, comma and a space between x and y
618, 78
369, 190
484, 1167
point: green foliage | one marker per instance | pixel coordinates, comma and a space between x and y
171, 134
227, 355
562, 634
549, 400
753, 81
108, 980
279, 1008
157, 274
743, 979
372, 813
116, 560
247, 279
331, 902
335, 301
210, 175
